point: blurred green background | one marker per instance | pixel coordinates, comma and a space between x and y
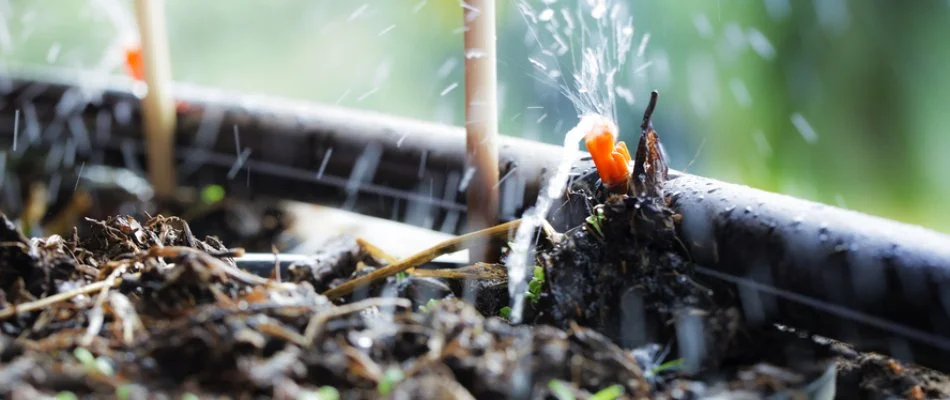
843, 102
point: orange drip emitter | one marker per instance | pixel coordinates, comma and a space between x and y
135, 67
612, 160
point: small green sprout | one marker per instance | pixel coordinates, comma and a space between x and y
66, 395
671, 365
189, 396
560, 390
596, 220
123, 392
611, 392
533, 293
93, 364
427, 307
401, 276
85, 357
212, 194
323, 393
534, 286
388, 382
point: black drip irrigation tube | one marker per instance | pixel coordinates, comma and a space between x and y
861, 279
878, 284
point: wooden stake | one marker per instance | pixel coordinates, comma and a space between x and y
158, 107
481, 121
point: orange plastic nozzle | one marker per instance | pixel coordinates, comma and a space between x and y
134, 65
612, 160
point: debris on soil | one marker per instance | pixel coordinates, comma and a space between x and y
157, 307
181, 321
136, 309
874, 376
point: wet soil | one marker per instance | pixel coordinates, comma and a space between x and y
615, 312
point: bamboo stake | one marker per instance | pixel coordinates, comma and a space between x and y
158, 106
481, 121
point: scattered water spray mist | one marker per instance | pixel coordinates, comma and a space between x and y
605, 37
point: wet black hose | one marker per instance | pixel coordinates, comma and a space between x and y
374, 164
870, 281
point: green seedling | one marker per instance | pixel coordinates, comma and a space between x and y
323, 393
533, 294
560, 390
671, 365
427, 307
388, 382
124, 392
596, 221
212, 194
93, 364
85, 357
611, 392
66, 395
189, 396
534, 286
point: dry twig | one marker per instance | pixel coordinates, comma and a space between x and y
48, 301
481, 271
446, 247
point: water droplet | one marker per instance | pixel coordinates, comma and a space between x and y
537, 64
475, 53
804, 128
703, 26
358, 12
53, 52
600, 9
385, 31
839, 200
762, 143
833, 15
447, 67
448, 89
419, 6
625, 94
761, 44
740, 92
777, 9
546, 15
643, 45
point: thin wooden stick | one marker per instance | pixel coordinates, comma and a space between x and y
485, 271
56, 298
481, 121
208, 259
158, 107
377, 253
415, 260
315, 325
97, 315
